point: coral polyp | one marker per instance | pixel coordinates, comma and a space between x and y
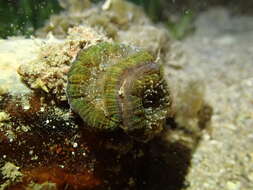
113, 86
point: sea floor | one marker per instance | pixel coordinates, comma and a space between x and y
220, 53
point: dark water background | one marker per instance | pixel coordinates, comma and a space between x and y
23, 17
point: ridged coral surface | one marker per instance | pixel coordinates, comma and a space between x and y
114, 86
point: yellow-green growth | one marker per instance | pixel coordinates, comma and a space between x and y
117, 86
86, 81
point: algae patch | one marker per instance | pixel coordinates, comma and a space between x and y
11, 174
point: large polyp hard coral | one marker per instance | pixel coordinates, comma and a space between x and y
114, 86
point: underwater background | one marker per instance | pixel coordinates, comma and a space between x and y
191, 69
23, 17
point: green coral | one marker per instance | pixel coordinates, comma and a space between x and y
115, 86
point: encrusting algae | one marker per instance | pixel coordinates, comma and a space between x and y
48, 72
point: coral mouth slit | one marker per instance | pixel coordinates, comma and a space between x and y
117, 86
